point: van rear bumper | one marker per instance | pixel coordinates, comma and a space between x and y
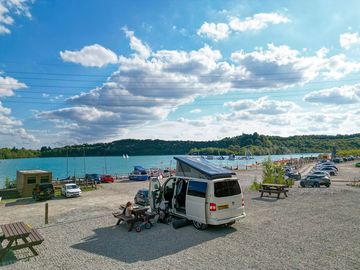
216, 221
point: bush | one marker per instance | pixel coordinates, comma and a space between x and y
9, 183
255, 185
273, 173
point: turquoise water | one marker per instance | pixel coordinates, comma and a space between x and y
114, 165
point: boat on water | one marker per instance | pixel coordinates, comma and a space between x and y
232, 157
139, 174
125, 156
220, 158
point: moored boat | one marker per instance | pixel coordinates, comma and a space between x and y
139, 174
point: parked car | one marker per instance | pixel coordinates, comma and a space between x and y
70, 190
43, 191
330, 170
319, 173
327, 166
107, 178
357, 165
93, 177
142, 197
337, 160
293, 174
315, 181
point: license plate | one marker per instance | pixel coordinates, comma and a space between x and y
225, 206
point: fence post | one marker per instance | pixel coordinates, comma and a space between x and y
46, 213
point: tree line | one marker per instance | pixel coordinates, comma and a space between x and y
253, 144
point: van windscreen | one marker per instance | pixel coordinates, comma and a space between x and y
227, 188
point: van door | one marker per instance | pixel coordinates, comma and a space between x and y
154, 192
195, 201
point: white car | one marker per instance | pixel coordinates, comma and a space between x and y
70, 190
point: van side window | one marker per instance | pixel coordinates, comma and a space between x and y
197, 189
227, 188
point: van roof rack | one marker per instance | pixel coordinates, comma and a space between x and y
201, 167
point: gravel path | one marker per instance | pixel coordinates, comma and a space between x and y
311, 229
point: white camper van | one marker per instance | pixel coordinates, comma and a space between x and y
200, 192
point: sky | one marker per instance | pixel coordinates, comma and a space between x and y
74, 72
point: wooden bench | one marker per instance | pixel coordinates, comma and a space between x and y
35, 239
273, 188
121, 217
19, 231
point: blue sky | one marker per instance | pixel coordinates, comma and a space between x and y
97, 71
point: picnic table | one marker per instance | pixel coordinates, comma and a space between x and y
15, 232
274, 188
138, 212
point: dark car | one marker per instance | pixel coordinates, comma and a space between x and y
142, 197
315, 181
43, 191
93, 177
293, 174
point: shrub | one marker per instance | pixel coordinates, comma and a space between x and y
273, 173
9, 183
255, 185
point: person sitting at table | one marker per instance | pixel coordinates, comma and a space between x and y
128, 213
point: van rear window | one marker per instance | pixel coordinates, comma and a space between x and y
227, 188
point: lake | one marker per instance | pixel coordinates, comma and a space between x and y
62, 167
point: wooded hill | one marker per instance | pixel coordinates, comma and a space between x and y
254, 144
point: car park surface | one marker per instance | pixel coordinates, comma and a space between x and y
292, 231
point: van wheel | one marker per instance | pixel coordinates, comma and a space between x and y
199, 225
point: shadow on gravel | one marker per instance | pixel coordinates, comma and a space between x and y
161, 240
267, 199
27, 201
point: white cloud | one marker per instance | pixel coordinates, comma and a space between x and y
261, 106
347, 40
142, 50
195, 111
9, 8
218, 31
90, 56
347, 94
8, 85
257, 22
214, 31
11, 131
149, 85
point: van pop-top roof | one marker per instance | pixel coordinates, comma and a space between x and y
200, 168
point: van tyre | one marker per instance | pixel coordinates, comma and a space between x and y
199, 226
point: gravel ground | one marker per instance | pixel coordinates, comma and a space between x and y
311, 229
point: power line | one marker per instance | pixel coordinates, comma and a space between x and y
135, 84
144, 76
140, 102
